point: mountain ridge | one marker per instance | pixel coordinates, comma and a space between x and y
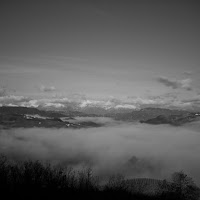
34, 117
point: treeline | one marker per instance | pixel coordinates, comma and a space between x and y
34, 180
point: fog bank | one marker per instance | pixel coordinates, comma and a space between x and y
136, 150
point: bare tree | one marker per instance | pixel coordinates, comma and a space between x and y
184, 186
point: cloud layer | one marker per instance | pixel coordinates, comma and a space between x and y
168, 100
134, 150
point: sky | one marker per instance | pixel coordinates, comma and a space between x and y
100, 49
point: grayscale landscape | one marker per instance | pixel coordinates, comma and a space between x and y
100, 99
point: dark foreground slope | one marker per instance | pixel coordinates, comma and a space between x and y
147, 113
175, 120
158, 116
33, 180
17, 117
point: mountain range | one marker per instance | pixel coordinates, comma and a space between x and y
11, 117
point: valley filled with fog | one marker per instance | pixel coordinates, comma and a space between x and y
131, 149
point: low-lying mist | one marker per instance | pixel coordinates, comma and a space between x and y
135, 150
101, 120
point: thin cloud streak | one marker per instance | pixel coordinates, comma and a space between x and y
175, 84
47, 88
